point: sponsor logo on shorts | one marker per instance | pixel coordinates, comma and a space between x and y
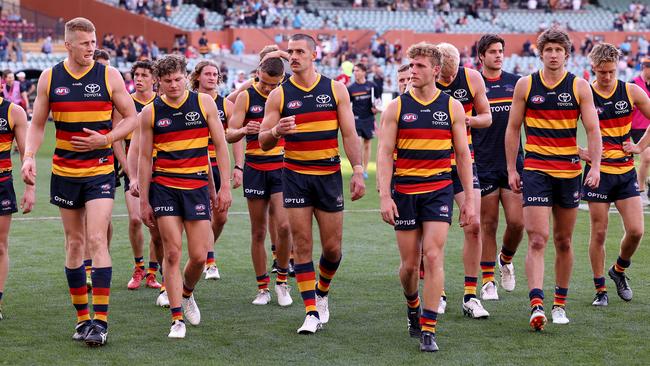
63, 201
487, 188
601, 196
537, 99
163, 209
200, 209
636, 186
294, 200
537, 199
163, 122
444, 209
254, 191
409, 222
339, 200
576, 196
294, 104
105, 187
6, 203
256, 109
62, 90
410, 117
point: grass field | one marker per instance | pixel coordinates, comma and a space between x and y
368, 323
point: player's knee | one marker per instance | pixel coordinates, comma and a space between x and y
135, 222
599, 234
634, 234
3, 250
258, 235
332, 254
96, 239
562, 244
537, 241
283, 229
409, 269
489, 226
431, 257
472, 230
173, 257
196, 258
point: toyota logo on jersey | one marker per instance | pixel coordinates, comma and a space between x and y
92, 88
192, 116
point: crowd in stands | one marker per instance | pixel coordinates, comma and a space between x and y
153, 8
631, 19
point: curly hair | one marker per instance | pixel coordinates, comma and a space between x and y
427, 50
169, 65
198, 69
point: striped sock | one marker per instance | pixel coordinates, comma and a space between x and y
599, 282
536, 297
177, 314
78, 292
153, 268
621, 264
470, 288
428, 320
101, 294
139, 262
162, 285
306, 279
263, 281
505, 257
274, 252
326, 271
487, 272
412, 301
282, 276
88, 263
187, 292
560, 296
209, 262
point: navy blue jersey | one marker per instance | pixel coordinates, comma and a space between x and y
489, 143
362, 101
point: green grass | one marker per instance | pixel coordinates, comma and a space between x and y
368, 324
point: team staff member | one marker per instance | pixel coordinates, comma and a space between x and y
13, 125
550, 102
263, 181
466, 86
640, 124
363, 97
492, 172
423, 124
81, 94
308, 111
614, 100
178, 124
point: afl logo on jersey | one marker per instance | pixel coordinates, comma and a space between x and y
620, 105
600, 110
256, 109
62, 90
460, 93
410, 117
164, 122
294, 104
537, 99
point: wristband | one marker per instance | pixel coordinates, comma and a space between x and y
28, 154
239, 168
274, 133
109, 138
354, 167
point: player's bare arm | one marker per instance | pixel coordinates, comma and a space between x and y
236, 128
483, 118
144, 165
590, 122
224, 197
463, 163
351, 143
19, 118
513, 131
273, 127
386, 146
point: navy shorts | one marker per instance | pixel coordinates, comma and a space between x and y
73, 193
216, 177
189, 204
365, 128
612, 188
458, 186
324, 192
261, 183
7, 197
414, 209
636, 134
541, 189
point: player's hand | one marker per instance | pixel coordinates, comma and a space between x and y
252, 128
224, 199
29, 197
237, 178
93, 141
357, 186
514, 181
286, 126
388, 210
468, 214
584, 154
134, 187
28, 171
631, 148
146, 214
593, 178
468, 121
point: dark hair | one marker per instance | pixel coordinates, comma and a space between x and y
142, 64
361, 67
554, 35
488, 40
273, 67
170, 64
311, 42
403, 68
101, 54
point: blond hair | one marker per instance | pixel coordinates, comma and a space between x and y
198, 69
604, 53
450, 54
78, 24
428, 50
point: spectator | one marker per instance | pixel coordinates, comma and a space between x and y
46, 48
128, 82
526, 49
18, 47
155, 51
158, 9
11, 90
643, 46
204, 49
4, 47
237, 47
241, 79
378, 79
200, 18
297, 21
